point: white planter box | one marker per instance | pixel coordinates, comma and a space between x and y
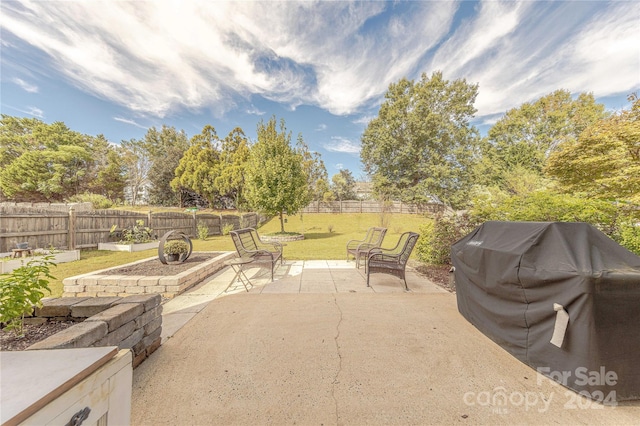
128, 247
62, 257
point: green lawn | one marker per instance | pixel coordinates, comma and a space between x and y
326, 236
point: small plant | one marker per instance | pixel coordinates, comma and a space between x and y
23, 288
136, 234
227, 228
330, 228
176, 247
203, 231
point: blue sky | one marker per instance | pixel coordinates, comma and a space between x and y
119, 67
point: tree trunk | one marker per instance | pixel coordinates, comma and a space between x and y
281, 222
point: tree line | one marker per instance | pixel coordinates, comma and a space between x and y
421, 146
50, 162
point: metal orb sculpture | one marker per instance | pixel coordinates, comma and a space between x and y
170, 236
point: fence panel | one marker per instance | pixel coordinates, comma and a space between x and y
94, 227
167, 221
211, 221
40, 229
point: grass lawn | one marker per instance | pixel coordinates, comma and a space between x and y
326, 237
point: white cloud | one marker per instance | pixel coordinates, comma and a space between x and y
255, 111
158, 57
339, 166
321, 127
518, 52
340, 144
364, 120
128, 121
35, 111
27, 87
154, 57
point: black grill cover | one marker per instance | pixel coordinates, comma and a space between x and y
509, 275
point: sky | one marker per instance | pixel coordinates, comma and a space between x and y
118, 68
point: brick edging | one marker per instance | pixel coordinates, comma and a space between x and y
132, 322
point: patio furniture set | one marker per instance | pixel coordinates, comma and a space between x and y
252, 250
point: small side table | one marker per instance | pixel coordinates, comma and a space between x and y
236, 264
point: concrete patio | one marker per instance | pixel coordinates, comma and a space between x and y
316, 346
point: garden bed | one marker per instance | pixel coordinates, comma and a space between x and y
147, 276
128, 247
6, 266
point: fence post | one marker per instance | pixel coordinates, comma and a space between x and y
149, 219
71, 236
195, 225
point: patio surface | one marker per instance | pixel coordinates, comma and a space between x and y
316, 346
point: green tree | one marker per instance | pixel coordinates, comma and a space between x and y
276, 181
315, 170
45, 175
527, 135
230, 176
197, 169
45, 162
343, 185
604, 162
421, 144
111, 180
165, 148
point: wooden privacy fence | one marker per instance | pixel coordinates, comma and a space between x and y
73, 230
368, 206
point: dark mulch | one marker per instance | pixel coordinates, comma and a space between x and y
155, 267
11, 341
439, 274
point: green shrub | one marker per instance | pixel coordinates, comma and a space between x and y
97, 201
436, 238
175, 247
227, 228
203, 231
628, 236
547, 206
23, 288
138, 233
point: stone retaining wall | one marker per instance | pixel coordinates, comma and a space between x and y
94, 284
133, 322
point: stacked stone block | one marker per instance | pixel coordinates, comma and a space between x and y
133, 322
97, 285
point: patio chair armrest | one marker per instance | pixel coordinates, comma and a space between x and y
380, 255
276, 245
367, 246
353, 244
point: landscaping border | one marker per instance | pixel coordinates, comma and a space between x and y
133, 322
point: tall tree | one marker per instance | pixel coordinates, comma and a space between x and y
527, 135
604, 162
230, 178
111, 179
165, 148
315, 169
65, 158
343, 185
421, 144
276, 181
198, 168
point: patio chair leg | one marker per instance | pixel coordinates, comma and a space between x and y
368, 280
